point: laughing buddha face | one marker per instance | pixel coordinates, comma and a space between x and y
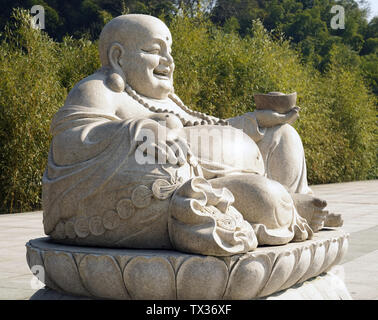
144, 55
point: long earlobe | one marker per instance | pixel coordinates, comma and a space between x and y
116, 79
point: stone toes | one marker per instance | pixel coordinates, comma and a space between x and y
317, 226
318, 221
318, 213
333, 220
324, 213
320, 203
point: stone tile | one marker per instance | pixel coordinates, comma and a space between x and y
9, 225
7, 275
356, 201
19, 266
17, 245
7, 254
22, 282
361, 276
361, 243
362, 291
18, 240
15, 294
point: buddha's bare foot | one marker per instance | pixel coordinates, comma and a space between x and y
312, 209
333, 220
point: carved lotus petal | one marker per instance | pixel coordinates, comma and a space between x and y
102, 277
33, 257
141, 197
300, 268
82, 227
282, 269
162, 189
343, 248
248, 277
96, 226
62, 265
125, 209
332, 251
201, 278
318, 252
150, 278
111, 220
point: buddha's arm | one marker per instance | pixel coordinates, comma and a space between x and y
270, 118
81, 139
254, 123
249, 125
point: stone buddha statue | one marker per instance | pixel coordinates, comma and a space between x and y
131, 166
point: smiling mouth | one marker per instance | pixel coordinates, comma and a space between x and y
161, 74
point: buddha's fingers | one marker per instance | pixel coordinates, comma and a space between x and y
164, 154
178, 151
172, 154
184, 146
292, 115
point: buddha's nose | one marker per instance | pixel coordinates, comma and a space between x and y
167, 59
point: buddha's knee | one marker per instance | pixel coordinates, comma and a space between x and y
283, 155
288, 138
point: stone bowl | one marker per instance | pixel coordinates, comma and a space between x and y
276, 101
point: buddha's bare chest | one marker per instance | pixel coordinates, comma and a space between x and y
128, 108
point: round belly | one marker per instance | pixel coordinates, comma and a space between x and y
225, 147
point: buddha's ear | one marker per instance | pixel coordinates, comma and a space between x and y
115, 53
116, 79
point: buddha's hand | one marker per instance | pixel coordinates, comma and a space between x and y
164, 144
178, 150
167, 120
270, 118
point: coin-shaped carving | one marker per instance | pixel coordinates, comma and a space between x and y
82, 227
141, 197
125, 209
96, 226
227, 223
111, 220
59, 232
162, 189
69, 229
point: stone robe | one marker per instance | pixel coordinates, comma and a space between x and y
96, 192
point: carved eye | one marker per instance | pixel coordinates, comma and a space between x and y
152, 51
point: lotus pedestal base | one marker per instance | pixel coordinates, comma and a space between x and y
294, 271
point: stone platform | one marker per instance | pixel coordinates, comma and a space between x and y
158, 274
357, 201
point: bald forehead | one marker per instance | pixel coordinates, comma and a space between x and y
132, 29
143, 24
140, 28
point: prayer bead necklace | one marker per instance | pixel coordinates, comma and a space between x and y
204, 119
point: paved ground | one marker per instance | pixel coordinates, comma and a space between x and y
358, 201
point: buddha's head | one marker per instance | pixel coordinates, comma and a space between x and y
137, 48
